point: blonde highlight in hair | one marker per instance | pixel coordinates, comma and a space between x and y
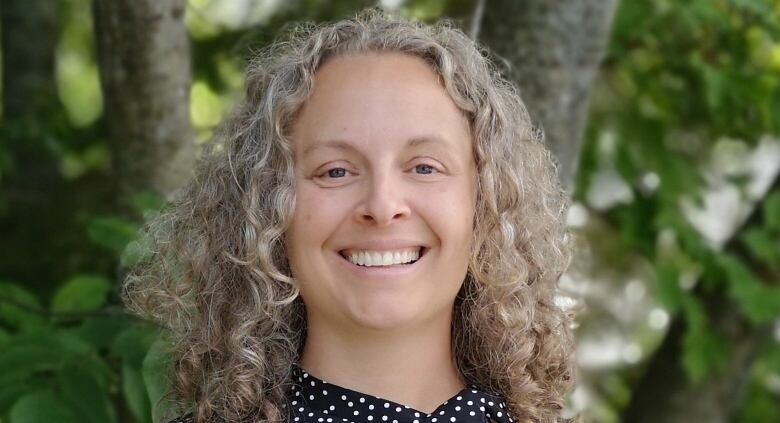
219, 282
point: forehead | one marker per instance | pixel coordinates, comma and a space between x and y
378, 97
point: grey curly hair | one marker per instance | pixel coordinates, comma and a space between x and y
218, 278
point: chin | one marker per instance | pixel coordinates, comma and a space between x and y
384, 316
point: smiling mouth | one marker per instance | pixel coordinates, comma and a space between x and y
384, 259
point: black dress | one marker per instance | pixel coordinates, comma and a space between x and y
313, 400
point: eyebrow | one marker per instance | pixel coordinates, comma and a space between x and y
339, 144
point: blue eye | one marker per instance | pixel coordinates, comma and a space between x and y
428, 169
337, 172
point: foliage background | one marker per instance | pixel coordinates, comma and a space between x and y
676, 211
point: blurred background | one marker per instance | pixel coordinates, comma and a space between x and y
664, 117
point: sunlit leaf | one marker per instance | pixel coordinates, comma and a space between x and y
79, 87
83, 293
205, 105
146, 201
111, 232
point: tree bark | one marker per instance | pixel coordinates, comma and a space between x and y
144, 58
554, 48
664, 393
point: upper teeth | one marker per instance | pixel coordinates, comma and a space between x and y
383, 258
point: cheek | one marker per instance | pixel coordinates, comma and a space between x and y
450, 212
316, 215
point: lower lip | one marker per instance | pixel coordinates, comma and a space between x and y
383, 271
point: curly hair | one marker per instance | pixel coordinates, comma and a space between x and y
219, 282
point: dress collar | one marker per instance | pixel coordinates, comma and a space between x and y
315, 400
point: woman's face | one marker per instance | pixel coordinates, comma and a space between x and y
384, 169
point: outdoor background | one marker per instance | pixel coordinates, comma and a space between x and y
664, 116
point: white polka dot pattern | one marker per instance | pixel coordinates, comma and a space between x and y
313, 400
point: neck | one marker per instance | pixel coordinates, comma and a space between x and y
410, 367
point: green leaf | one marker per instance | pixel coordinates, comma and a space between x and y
101, 331
12, 392
668, 286
5, 338
72, 343
83, 293
758, 302
19, 307
135, 393
85, 393
762, 245
133, 344
760, 406
424, 9
28, 354
136, 252
760, 402
705, 351
95, 157
42, 407
771, 358
147, 201
111, 232
155, 374
716, 85
771, 210
74, 347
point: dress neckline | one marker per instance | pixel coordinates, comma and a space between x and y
305, 374
316, 400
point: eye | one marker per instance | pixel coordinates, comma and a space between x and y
337, 172
334, 173
425, 169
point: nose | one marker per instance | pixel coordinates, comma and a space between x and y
383, 202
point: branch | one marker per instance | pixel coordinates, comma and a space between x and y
476, 20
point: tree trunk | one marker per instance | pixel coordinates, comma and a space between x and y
664, 393
554, 48
144, 58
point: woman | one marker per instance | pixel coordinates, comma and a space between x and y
375, 235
